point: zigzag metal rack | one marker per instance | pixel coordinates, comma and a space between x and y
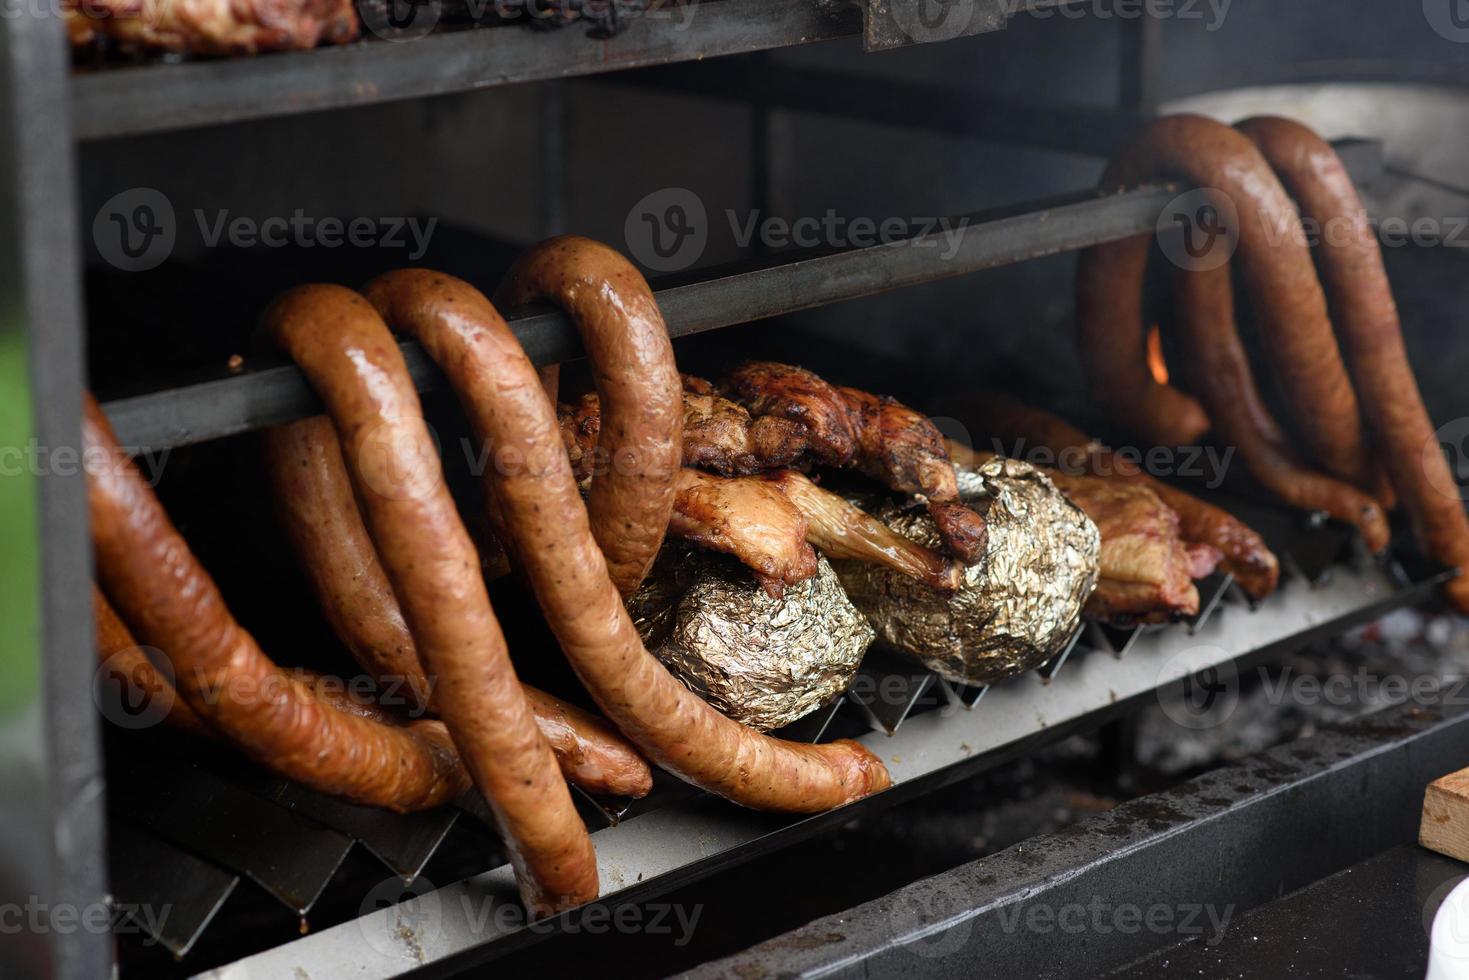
929, 732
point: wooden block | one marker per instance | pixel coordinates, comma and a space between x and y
1445, 824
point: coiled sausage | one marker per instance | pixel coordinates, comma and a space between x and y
353, 363
549, 535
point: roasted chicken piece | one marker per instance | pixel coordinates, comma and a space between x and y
211, 27
1246, 556
719, 435
839, 529
1146, 568
883, 438
748, 518
769, 522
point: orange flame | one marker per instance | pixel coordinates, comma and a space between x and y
1156, 364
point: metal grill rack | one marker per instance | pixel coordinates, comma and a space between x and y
192, 854
199, 831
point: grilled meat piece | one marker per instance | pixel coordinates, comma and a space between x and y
748, 518
212, 27
1246, 555
768, 523
839, 529
797, 395
719, 435
883, 438
1147, 570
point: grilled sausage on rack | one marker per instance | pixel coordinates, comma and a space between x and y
170, 602
1367, 322
632, 362
1279, 275
548, 534
317, 508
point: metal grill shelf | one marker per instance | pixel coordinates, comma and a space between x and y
927, 730
669, 843
122, 101
798, 280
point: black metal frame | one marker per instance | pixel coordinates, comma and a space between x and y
44, 111
1237, 837
52, 807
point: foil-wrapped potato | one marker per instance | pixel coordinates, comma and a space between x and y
1016, 608
764, 662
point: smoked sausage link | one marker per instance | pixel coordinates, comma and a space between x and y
1219, 372
1371, 336
549, 536
353, 363
171, 603
1277, 271
319, 514
641, 393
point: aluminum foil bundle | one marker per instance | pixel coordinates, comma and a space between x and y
1016, 609
761, 661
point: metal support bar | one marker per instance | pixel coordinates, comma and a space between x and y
798, 280
126, 101
888, 24
52, 850
1227, 841
894, 102
458, 927
1140, 50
